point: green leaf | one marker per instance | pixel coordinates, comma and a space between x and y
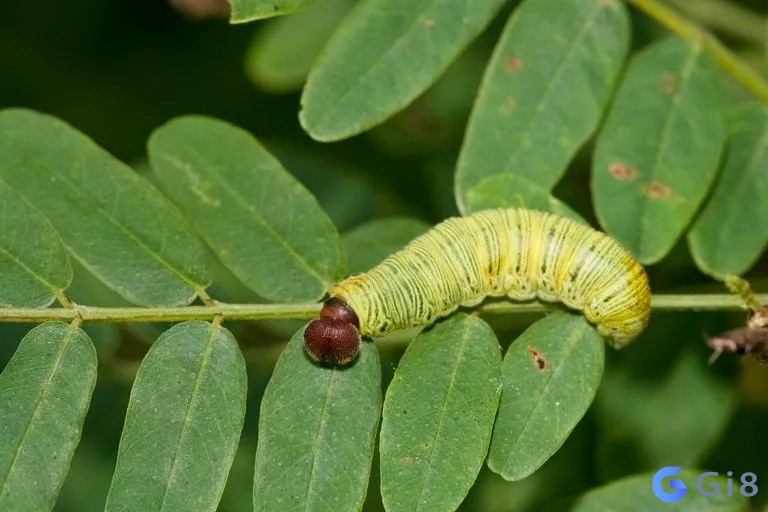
266, 228
250, 10
512, 191
183, 422
544, 91
383, 56
658, 152
44, 394
317, 429
34, 266
368, 244
634, 494
280, 56
110, 219
732, 230
438, 416
550, 376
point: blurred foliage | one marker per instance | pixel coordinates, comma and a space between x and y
117, 70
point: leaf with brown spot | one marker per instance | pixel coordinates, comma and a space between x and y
668, 83
561, 86
622, 172
514, 64
539, 361
539, 409
656, 190
675, 140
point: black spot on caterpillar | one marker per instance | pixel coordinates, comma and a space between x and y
521, 254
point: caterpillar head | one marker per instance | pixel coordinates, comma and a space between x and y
334, 337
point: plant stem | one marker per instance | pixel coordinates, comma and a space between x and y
748, 77
725, 16
719, 302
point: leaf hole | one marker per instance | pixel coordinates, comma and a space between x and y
539, 361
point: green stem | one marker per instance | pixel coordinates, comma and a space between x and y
748, 77
719, 302
725, 16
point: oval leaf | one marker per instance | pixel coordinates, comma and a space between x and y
250, 10
634, 493
550, 376
544, 91
384, 55
183, 422
109, 218
658, 152
44, 394
34, 266
265, 227
438, 416
511, 191
317, 429
367, 245
732, 230
280, 56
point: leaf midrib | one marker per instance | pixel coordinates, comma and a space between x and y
404, 35
44, 391
318, 438
210, 342
585, 25
573, 341
53, 288
233, 192
732, 207
661, 148
99, 209
459, 358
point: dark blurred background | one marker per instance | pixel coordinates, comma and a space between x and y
118, 69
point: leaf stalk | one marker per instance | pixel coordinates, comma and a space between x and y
698, 302
748, 77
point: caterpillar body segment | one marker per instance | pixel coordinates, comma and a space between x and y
517, 253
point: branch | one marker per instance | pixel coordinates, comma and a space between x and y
713, 302
747, 76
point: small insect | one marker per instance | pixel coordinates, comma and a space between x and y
517, 253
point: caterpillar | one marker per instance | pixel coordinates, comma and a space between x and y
518, 253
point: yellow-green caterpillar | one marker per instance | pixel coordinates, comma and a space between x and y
521, 254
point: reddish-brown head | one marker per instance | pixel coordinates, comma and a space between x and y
333, 338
